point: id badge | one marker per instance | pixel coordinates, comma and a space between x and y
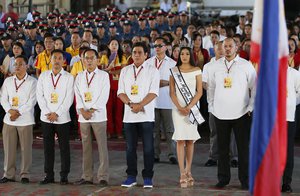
227, 82
115, 77
15, 101
87, 97
134, 89
54, 98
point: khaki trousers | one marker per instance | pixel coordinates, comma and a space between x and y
99, 130
11, 135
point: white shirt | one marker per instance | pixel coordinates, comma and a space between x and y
147, 82
293, 93
166, 7
92, 46
163, 101
232, 103
239, 30
98, 88
29, 16
2, 25
182, 6
189, 39
64, 90
25, 98
122, 7
207, 69
74, 59
207, 44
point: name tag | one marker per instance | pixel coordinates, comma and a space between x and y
15, 101
134, 89
227, 82
115, 77
54, 98
87, 97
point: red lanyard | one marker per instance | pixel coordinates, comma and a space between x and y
158, 65
47, 63
228, 69
17, 87
136, 74
87, 79
55, 84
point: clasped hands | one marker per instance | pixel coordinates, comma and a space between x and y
184, 111
87, 114
136, 107
52, 116
14, 114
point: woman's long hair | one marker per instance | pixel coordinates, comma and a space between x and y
296, 47
192, 61
194, 37
119, 52
38, 43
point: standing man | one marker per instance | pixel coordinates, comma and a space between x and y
213, 150
163, 104
232, 96
43, 62
138, 87
55, 94
10, 14
73, 49
18, 98
92, 92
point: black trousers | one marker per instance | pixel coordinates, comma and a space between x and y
241, 128
63, 134
288, 171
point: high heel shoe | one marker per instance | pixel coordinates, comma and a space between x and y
183, 181
190, 179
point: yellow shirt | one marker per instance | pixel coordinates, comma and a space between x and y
77, 68
43, 62
104, 61
72, 51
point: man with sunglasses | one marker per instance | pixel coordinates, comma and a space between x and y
163, 104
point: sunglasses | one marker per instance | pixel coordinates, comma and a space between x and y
158, 45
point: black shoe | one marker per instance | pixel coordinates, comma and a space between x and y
103, 183
64, 181
24, 180
5, 180
245, 186
46, 180
220, 185
286, 188
173, 160
82, 182
210, 163
234, 163
156, 160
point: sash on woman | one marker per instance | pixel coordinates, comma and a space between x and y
195, 115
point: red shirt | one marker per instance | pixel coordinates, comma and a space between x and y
14, 16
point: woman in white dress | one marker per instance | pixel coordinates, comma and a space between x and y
8, 67
185, 133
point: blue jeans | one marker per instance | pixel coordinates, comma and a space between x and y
132, 131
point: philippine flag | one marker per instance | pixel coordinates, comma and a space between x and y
268, 133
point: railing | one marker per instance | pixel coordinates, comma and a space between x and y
41, 7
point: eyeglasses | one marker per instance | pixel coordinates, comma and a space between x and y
90, 58
158, 45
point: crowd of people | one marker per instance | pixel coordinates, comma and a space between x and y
132, 73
